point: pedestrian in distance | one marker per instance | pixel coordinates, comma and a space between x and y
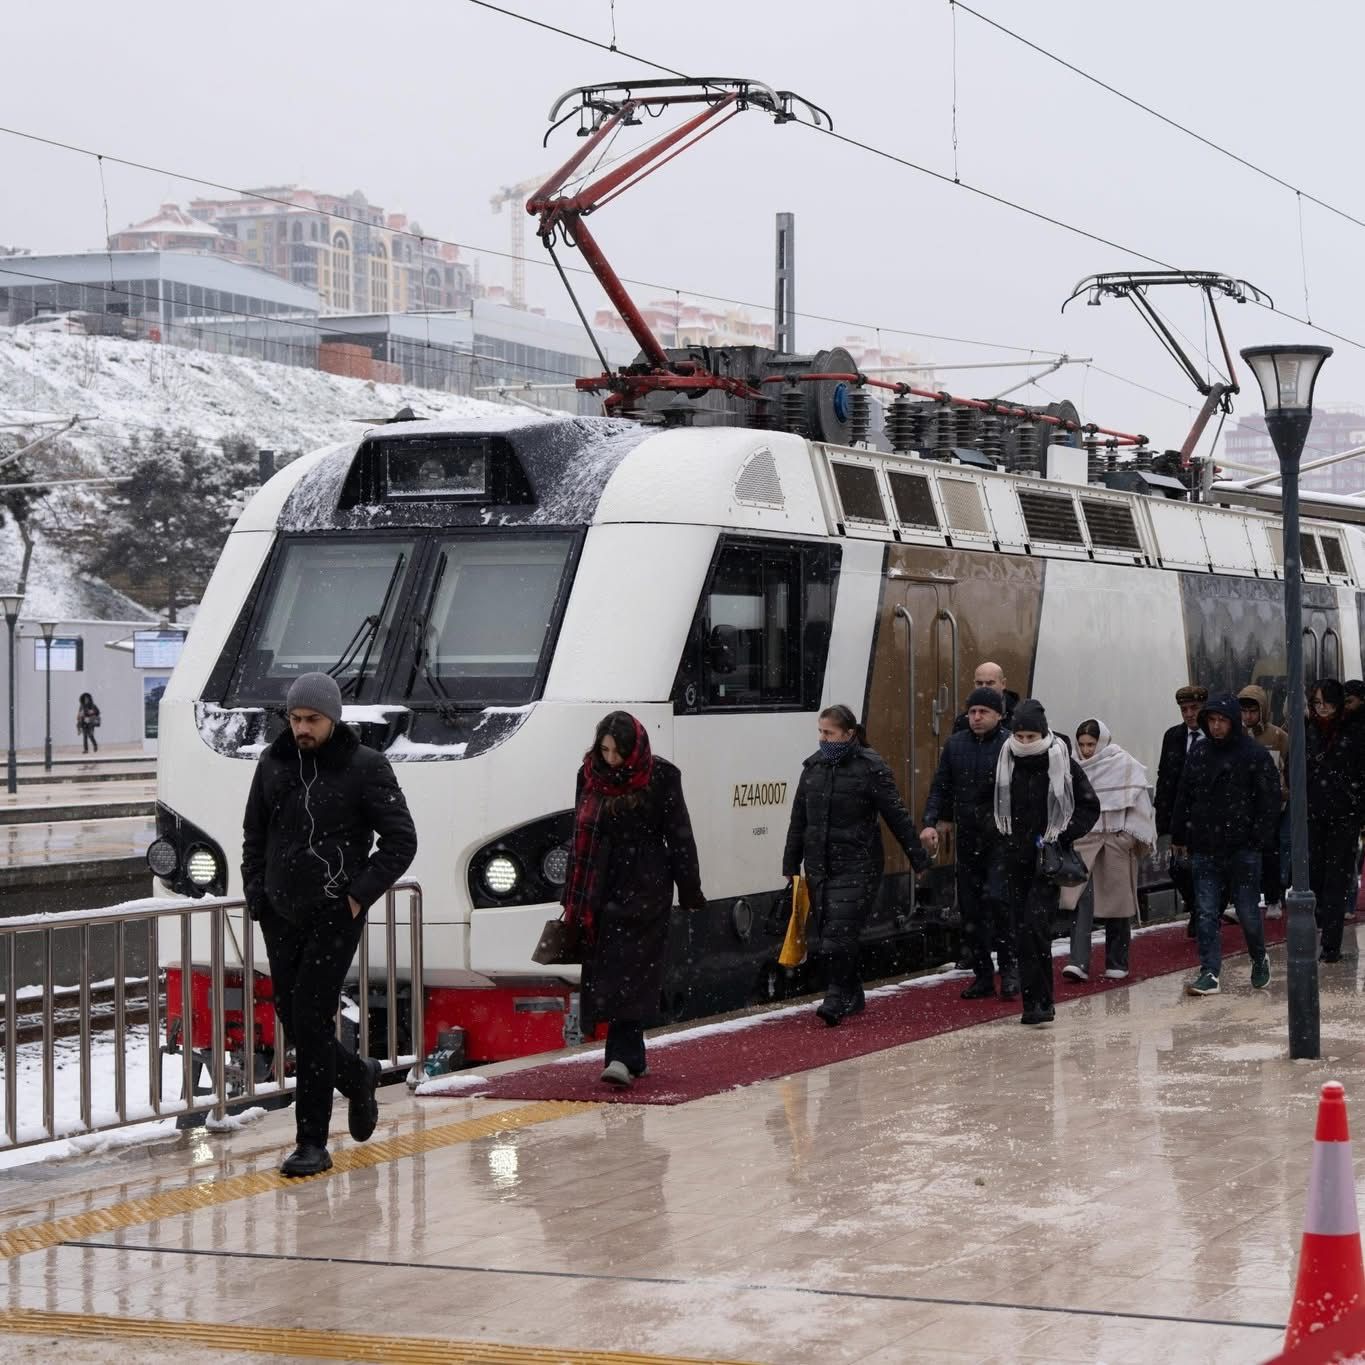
1256, 722
309, 875
632, 844
1227, 807
1176, 745
87, 722
1041, 797
845, 791
1354, 711
1334, 746
962, 795
990, 675
1124, 834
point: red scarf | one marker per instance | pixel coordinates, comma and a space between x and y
585, 884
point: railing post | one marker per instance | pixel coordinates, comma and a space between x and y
417, 1002
11, 1027
154, 1015
49, 1061
391, 965
186, 1013
363, 1036
217, 1010
85, 1025
120, 1025
248, 1005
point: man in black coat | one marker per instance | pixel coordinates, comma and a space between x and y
963, 794
1227, 811
993, 676
318, 798
1176, 744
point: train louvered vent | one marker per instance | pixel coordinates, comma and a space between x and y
1308, 553
962, 506
914, 501
859, 495
1331, 552
758, 484
1111, 525
1050, 517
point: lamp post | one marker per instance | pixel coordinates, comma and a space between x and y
10, 602
1287, 375
47, 627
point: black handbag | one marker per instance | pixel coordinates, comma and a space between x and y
560, 944
1061, 865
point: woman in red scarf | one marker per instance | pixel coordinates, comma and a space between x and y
632, 842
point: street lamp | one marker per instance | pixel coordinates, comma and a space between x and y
10, 602
1287, 375
47, 627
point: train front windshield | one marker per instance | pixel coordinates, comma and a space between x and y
436, 618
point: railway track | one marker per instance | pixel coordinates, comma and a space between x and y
66, 1015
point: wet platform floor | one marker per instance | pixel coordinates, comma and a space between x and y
55, 842
1127, 1185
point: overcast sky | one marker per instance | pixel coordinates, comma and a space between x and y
430, 107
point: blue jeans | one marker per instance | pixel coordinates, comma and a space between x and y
1218, 876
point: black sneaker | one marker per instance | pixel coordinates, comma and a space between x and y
980, 989
306, 1159
833, 1009
1034, 1017
1329, 955
363, 1111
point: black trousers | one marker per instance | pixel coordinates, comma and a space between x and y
626, 1043
1031, 904
1331, 865
985, 918
88, 740
308, 964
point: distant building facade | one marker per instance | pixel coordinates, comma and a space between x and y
172, 229
1336, 428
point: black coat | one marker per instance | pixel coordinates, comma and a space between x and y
963, 789
1229, 796
310, 823
1028, 805
1336, 774
1168, 769
648, 849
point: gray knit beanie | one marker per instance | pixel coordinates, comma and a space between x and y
316, 692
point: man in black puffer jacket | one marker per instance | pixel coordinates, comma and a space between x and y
318, 798
845, 791
1227, 811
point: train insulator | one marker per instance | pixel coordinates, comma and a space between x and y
792, 410
902, 423
859, 416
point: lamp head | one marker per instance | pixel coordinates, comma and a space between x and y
10, 603
1286, 374
48, 628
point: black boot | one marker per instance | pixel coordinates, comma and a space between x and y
306, 1159
363, 1112
834, 1008
981, 989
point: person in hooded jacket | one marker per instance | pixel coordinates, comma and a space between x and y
1227, 808
845, 791
1256, 722
1124, 834
1335, 752
963, 794
1041, 796
318, 797
632, 843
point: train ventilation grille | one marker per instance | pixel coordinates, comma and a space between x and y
914, 501
1111, 526
758, 484
1051, 518
962, 506
1331, 552
859, 495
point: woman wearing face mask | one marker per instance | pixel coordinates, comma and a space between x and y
845, 791
632, 843
1124, 833
1041, 796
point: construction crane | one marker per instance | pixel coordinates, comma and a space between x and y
516, 194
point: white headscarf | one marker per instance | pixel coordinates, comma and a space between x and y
1120, 782
1061, 801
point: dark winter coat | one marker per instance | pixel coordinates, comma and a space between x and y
835, 832
310, 823
649, 849
1336, 773
1229, 793
1168, 769
1011, 701
963, 789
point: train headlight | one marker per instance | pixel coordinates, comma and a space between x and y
162, 858
501, 875
555, 865
201, 867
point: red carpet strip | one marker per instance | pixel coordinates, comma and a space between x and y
719, 1056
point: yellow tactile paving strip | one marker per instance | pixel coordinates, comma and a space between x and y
208, 1193
300, 1343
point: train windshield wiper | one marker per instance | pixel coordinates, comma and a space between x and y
365, 636
422, 629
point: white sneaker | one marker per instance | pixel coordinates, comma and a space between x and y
617, 1073
1275, 911
1116, 973
1074, 973
1230, 914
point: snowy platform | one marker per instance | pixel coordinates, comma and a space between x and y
1127, 1185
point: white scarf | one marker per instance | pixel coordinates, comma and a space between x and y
1120, 782
1061, 802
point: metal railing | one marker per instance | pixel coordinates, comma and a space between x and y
214, 1058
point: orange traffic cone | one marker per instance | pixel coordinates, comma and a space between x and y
1331, 1277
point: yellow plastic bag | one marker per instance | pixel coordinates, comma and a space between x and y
793, 952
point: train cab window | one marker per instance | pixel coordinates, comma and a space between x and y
762, 631
329, 607
491, 605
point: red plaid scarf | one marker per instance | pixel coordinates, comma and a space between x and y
583, 890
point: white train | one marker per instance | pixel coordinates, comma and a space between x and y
485, 590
